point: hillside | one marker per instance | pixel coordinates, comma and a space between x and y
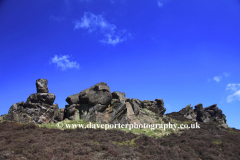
38, 129
29, 141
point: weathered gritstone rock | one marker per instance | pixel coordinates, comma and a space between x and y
131, 115
118, 114
119, 96
98, 104
38, 108
59, 115
13, 112
89, 102
46, 98
161, 109
156, 106
41, 85
97, 94
208, 114
73, 99
189, 113
136, 105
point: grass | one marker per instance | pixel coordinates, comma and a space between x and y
128, 142
146, 131
148, 112
36, 143
217, 142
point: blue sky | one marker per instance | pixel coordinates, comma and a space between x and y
185, 52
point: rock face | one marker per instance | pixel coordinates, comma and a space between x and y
98, 104
91, 100
208, 114
41, 85
38, 108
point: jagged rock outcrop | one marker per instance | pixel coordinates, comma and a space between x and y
188, 112
208, 114
41, 85
59, 114
38, 108
98, 104
89, 101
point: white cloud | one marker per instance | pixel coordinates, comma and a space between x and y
92, 22
233, 87
110, 40
235, 90
217, 78
97, 23
64, 63
226, 74
161, 2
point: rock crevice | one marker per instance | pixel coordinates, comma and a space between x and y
99, 104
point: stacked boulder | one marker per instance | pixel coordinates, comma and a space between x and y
208, 114
98, 104
38, 108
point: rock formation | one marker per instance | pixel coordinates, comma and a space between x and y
41, 85
38, 108
98, 104
208, 114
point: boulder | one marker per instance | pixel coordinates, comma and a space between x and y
119, 113
156, 106
38, 108
90, 101
97, 94
72, 111
214, 114
14, 110
98, 104
136, 105
120, 96
73, 99
206, 115
188, 112
161, 109
41, 85
42, 98
131, 118
198, 107
59, 114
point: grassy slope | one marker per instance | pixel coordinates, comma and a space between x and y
209, 142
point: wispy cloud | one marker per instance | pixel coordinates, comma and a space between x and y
58, 19
217, 78
110, 40
92, 23
234, 89
97, 23
225, 74
161, 2
64, 63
